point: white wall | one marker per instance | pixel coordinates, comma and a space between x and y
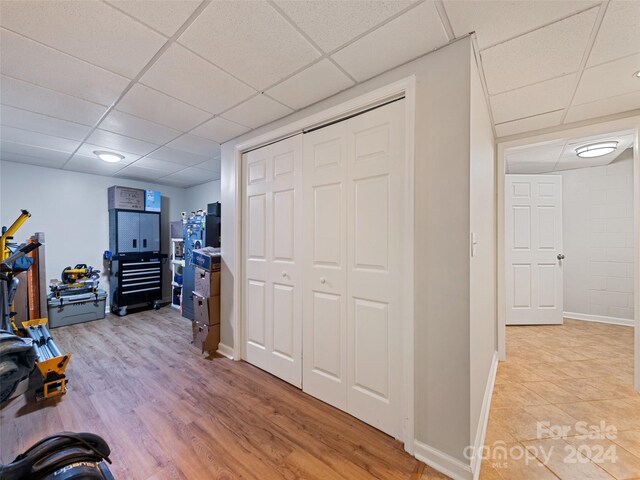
71, 209
483, 301
442, 229
200, 196
598, 239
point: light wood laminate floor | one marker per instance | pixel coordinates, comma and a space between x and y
170, 413
556, 377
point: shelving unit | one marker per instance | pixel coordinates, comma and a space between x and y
177, 265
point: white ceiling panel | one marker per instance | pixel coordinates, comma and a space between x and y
251, 40
619, 34
606, 106
257, 111
90, 30
15, 117
192, 176
536, 122
166, 16
92, 164
25, 137
220, 130
188, 77
212, 165
42, 161
125, 124
497, 21
114, 141
549, 52
87, 149
195, 144
157, 107
160, 165
534, 99
27, 60
325, 77
609, 80
17, 152
178, 156
331, 24
139, 173
27, 96
412, 34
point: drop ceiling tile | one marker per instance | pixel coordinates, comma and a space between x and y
27, 96
212, 165
160, 165
608, 80
549, 52
195, 144
194, 174
410, 35
606, 106
33, 155
536, 122
26, 137
257, 111
252, 41
157, 107
534, 99
331, 24
548, 153
220, 130
495, 22
114, 141
92, 31
186, 76
15, 117
619, 34
93, 165
125, 124
139, 173
166, 16
87, 149
325, 77
531, 168
27, 60
175, 182
42, 161
177, 156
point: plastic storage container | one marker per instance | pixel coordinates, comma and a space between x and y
72, 309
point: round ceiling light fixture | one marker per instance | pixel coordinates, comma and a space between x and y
109, 157
596, 149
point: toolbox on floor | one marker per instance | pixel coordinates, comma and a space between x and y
71, 309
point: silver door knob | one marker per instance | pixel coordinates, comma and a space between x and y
323, 280
284, 274
560, 256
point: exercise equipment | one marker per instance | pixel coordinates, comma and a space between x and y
63, 456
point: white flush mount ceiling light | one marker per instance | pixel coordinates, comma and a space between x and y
596, 149
109, 157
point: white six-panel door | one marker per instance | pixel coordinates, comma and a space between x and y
352, 313
533, 243
272, 306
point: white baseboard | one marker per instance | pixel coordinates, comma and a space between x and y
481, 432
225, 350
599, 318
442, 462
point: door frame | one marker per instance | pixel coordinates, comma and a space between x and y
403, 88
628, 123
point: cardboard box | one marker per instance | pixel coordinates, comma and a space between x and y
125, 198
206, 337
207, 258
206, 310
152, 201
207, 284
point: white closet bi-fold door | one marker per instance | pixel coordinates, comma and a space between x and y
353, 223
272, 244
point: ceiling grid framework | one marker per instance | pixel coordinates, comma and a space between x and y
165, 82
